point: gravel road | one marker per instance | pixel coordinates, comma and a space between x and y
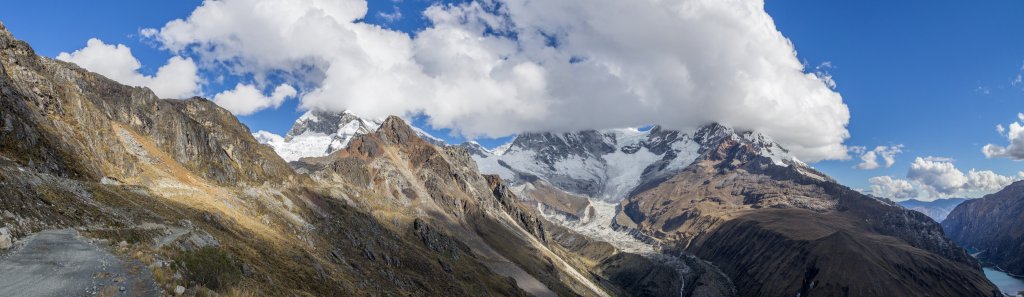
63, 263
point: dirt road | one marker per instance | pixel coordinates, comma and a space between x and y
63, 263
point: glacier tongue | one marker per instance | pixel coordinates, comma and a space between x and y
597, 225
302, 146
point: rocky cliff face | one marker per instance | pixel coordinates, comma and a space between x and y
63, 120
993, 226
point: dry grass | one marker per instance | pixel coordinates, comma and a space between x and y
240, 292
169, 179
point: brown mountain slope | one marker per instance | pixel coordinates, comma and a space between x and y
64, 118
183, 179
789, 230
994, 226
408, 181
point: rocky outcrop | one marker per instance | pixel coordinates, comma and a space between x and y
993, 226
525, 217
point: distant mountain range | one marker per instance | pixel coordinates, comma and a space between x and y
937, 209
736, 199
710, 190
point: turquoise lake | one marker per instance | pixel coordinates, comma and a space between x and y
1005, 282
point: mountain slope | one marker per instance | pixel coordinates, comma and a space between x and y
994, 226
786, 230
177, 179
415, 181
937, 210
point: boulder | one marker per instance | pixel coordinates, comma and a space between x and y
6, 240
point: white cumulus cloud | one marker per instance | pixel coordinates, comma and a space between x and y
246, 99
499, 67
1015, 134
179, 78
888, 187
940, 178
869, 159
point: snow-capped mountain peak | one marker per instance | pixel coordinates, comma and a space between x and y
320, 133
609, 164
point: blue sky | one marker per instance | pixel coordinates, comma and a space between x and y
935, 78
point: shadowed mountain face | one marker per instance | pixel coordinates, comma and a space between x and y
775, 226
787, 230
937, 210
993, 226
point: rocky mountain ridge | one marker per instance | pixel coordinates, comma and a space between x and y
992, 226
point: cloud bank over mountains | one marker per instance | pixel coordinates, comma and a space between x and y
498, 67
931, 178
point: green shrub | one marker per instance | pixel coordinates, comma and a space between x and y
211, 267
